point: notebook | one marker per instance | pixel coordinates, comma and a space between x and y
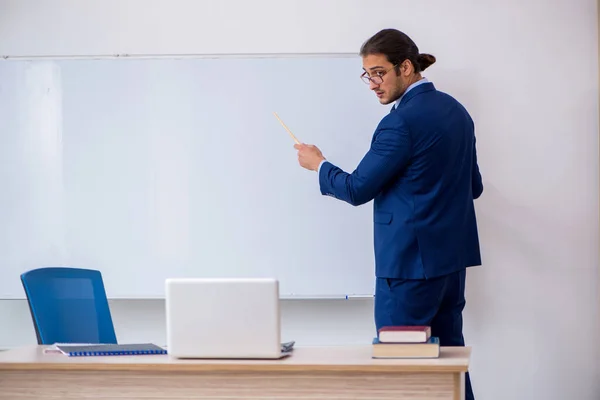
109, 349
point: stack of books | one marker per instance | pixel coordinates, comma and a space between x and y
406, 342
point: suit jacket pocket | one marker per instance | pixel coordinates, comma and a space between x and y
382, 217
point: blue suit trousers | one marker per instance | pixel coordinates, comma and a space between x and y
436, 302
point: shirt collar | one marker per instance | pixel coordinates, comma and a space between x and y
417, 83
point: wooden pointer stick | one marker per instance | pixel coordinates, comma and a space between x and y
286, 128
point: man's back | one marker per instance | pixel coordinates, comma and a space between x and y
424, 218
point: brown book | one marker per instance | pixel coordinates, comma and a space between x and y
404, 334
430, 349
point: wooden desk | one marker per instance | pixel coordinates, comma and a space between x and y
310, 373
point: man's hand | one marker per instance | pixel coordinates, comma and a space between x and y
309, 156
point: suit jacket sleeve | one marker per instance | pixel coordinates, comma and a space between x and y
389, 153
476, 182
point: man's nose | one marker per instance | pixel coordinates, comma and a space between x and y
373, 85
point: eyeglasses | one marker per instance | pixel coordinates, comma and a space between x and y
377, 78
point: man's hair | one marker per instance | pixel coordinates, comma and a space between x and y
397, 47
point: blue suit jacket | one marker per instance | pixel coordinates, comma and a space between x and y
422, 173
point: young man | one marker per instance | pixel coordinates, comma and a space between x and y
422, 173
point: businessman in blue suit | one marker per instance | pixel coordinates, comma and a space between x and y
421, 171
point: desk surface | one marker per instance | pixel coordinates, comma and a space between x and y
330, 358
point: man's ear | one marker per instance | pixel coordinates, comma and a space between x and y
407, 68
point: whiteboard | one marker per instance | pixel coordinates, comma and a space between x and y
147, 169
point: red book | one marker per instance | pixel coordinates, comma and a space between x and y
404, 334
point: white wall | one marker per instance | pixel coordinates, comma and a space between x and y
532, 313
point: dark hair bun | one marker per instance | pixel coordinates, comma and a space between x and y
425, 60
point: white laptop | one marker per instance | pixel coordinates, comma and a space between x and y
224, 318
